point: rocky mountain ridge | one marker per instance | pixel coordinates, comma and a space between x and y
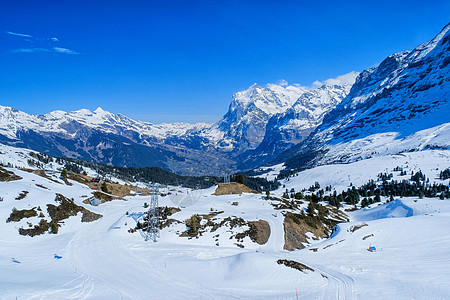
115, 139
407, 95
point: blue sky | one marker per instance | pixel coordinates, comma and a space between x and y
167, 61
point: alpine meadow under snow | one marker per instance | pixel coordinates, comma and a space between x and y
341, 191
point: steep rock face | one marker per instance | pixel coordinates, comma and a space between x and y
250, 110
286, 129
305, 115
407, 93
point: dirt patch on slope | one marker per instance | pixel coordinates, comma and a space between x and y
115, 189
89, 216
102, 197
6, 175
295, 265
232, 188
121, 190
297, 225
357, 227
105, 197
17, 215
22, 195
259, 231
42, 174
58, 213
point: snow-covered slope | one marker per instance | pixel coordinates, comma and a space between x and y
344, 176
407, 93
101, 259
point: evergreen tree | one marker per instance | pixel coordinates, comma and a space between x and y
104, 187
310, 209
240, 178
377, 198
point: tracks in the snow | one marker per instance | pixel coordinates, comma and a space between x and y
339, 286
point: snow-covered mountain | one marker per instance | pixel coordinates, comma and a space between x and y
409, 92
12, 121
292, 126
103, 137
405, 97
107, 138
250, 110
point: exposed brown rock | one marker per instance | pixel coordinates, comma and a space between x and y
296, 226
115, 189
6, 175
295, 265
259, 231
232, 188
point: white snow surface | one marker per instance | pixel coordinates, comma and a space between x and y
387, 143
343, 176
271, 99
101, 260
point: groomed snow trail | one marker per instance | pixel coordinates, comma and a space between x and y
101, 255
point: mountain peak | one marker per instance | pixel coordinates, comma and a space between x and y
99, 110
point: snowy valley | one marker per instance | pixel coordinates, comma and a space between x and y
240, 240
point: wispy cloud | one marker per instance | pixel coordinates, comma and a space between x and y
40, 45
18, 34
64, 50
29, 50
48, 50
348, 78
282, 82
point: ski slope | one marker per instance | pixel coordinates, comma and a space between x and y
101, 260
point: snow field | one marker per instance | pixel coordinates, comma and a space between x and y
101, 260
